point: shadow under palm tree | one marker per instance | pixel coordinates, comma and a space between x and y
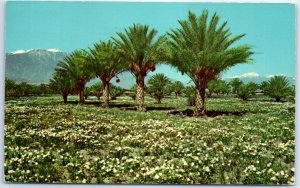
209, 113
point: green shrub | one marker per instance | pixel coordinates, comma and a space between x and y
190, 93
278, 88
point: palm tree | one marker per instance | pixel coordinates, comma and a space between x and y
203, 50
77, 67
24, 88
97, 89
235, 83
105, 61
178, 88
115, 92
225, 87
140, 52
252, 87
44, 89
263, 86
10, 87
63, 83
291, 94
214, 86
157, 86
218, 86
190, 94
278, 88
245, 91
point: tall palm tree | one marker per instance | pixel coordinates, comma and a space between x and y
140, 51
63, 83
77, 67
202, 50
105, 61
157, 86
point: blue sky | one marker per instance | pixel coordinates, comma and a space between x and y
269, 28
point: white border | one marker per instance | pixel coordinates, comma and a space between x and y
2, 76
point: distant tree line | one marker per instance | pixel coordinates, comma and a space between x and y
160, 86
23, 89
278, 88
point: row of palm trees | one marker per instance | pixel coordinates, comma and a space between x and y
277, 87
200, 48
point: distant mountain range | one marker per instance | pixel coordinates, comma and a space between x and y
33, 66
37, 66
256, 78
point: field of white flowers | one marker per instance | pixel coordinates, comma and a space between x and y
48, 141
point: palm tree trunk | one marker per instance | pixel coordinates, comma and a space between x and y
80, 87
81, 96
65, 97
105, 95
140, 93
159, 100
200, 102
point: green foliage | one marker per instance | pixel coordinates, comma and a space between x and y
104, 59
82, 144
235, 84
177, 87
197, 45
244, 92
291, 94
10, 87
139, 49
94, 90
264, 86
157, 86
47, 142
132, 92
13, 89
217, 87
115, 91
252, 87
97, 87
278, 88
190, 94
62, 82
87, 92
202, 49
77, 67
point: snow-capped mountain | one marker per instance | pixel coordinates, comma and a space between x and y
32, 66
257, 78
